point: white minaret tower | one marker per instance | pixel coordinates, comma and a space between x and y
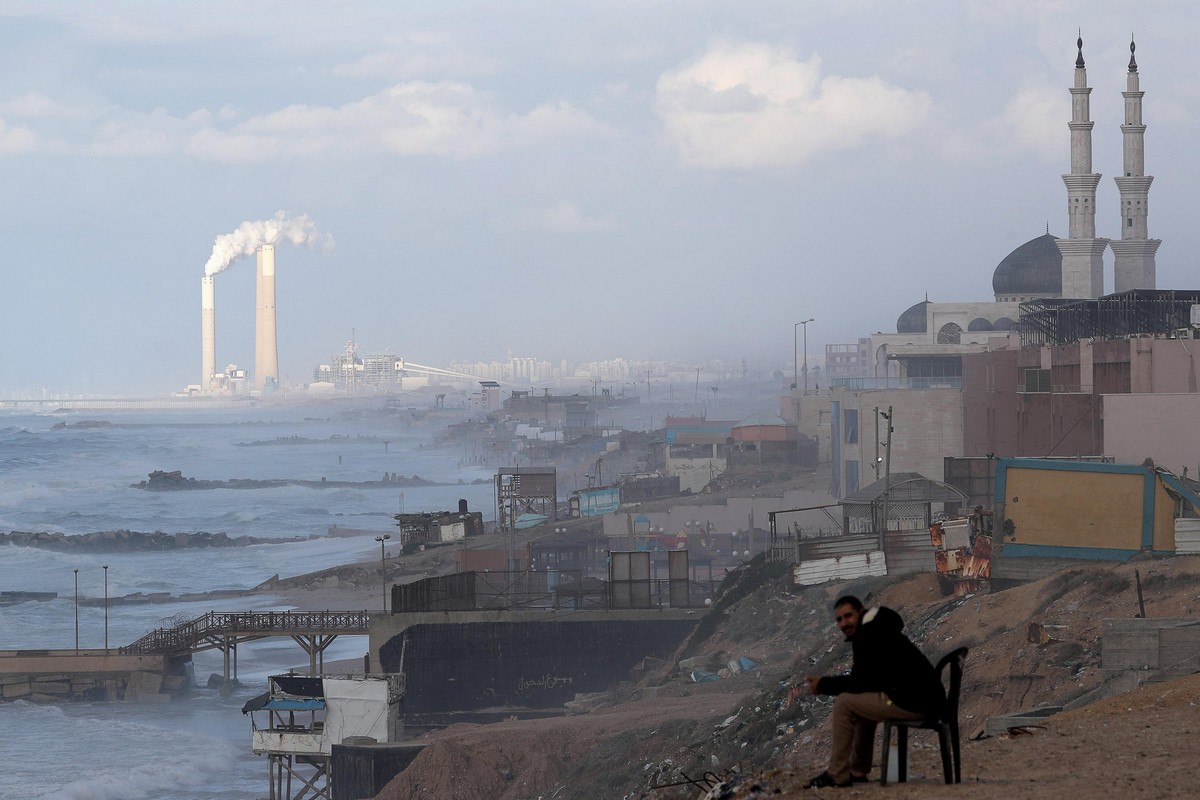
208, 333
266, 354
1082, 252
1134, 253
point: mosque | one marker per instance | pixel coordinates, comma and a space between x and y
931, 338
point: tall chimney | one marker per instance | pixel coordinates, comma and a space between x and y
208, 332
266, 354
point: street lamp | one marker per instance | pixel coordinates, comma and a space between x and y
805, 324
76, 610
383, 566
106, 606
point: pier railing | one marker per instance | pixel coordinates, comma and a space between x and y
189, 636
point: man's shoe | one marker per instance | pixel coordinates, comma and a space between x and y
823, 781
858, 778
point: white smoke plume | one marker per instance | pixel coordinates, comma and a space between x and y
298, 230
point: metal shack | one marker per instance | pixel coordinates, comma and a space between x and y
1078, 509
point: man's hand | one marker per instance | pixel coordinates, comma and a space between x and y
812, 681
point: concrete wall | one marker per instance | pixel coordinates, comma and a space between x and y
809, 412
736, 514
1163, 427
695, 473
93, 675
455, 666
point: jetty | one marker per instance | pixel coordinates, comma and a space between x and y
158, 665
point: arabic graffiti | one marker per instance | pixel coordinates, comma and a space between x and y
546, 681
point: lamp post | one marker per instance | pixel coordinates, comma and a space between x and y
106, 606
77, 610
383, 566
795, 355
805, 324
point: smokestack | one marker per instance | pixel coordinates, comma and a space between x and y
266, 354
208, 332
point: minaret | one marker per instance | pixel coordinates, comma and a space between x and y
1082, 252
1134, 253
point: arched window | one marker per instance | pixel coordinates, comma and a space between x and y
979, 324
950, 333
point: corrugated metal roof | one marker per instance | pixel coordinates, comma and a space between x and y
906, 487
761, 418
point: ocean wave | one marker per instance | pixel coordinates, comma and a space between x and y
122, 759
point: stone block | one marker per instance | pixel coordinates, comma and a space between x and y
39, 697
174, 683
141, 683
14, 690
51, 678
5, 680
52, 688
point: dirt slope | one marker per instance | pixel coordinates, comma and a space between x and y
665, 727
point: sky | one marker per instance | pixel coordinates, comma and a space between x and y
663, 179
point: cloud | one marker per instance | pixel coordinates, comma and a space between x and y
415, 118
1034, 120
564, 217
418, 55
35, 105
750, 106
1037, 117
16, 140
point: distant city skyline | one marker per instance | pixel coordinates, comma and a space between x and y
678, 180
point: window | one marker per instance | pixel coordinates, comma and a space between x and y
1037, 380
851, 476
851, 426
1129, 222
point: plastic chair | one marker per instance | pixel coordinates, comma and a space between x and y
946, 725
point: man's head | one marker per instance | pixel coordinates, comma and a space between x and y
848, 613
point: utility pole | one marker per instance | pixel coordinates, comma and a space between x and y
106, 606
887, 471
76, 610
805, 326
875, 465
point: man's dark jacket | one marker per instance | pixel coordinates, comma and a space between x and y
886, 661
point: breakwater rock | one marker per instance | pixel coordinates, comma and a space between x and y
174, 481
133, 541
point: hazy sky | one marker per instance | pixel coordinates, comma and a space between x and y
670, 179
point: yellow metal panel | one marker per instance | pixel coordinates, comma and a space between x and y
1075, 509
1164, 518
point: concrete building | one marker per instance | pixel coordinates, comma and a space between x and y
1078, 370
927, 427
694, 449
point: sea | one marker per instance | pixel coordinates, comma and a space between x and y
74, 472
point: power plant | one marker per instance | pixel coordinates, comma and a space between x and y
260, 238
208, 332
266, 351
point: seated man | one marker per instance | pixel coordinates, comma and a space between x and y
890, 679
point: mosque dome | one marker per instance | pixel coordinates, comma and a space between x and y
1032, 270
913, 319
